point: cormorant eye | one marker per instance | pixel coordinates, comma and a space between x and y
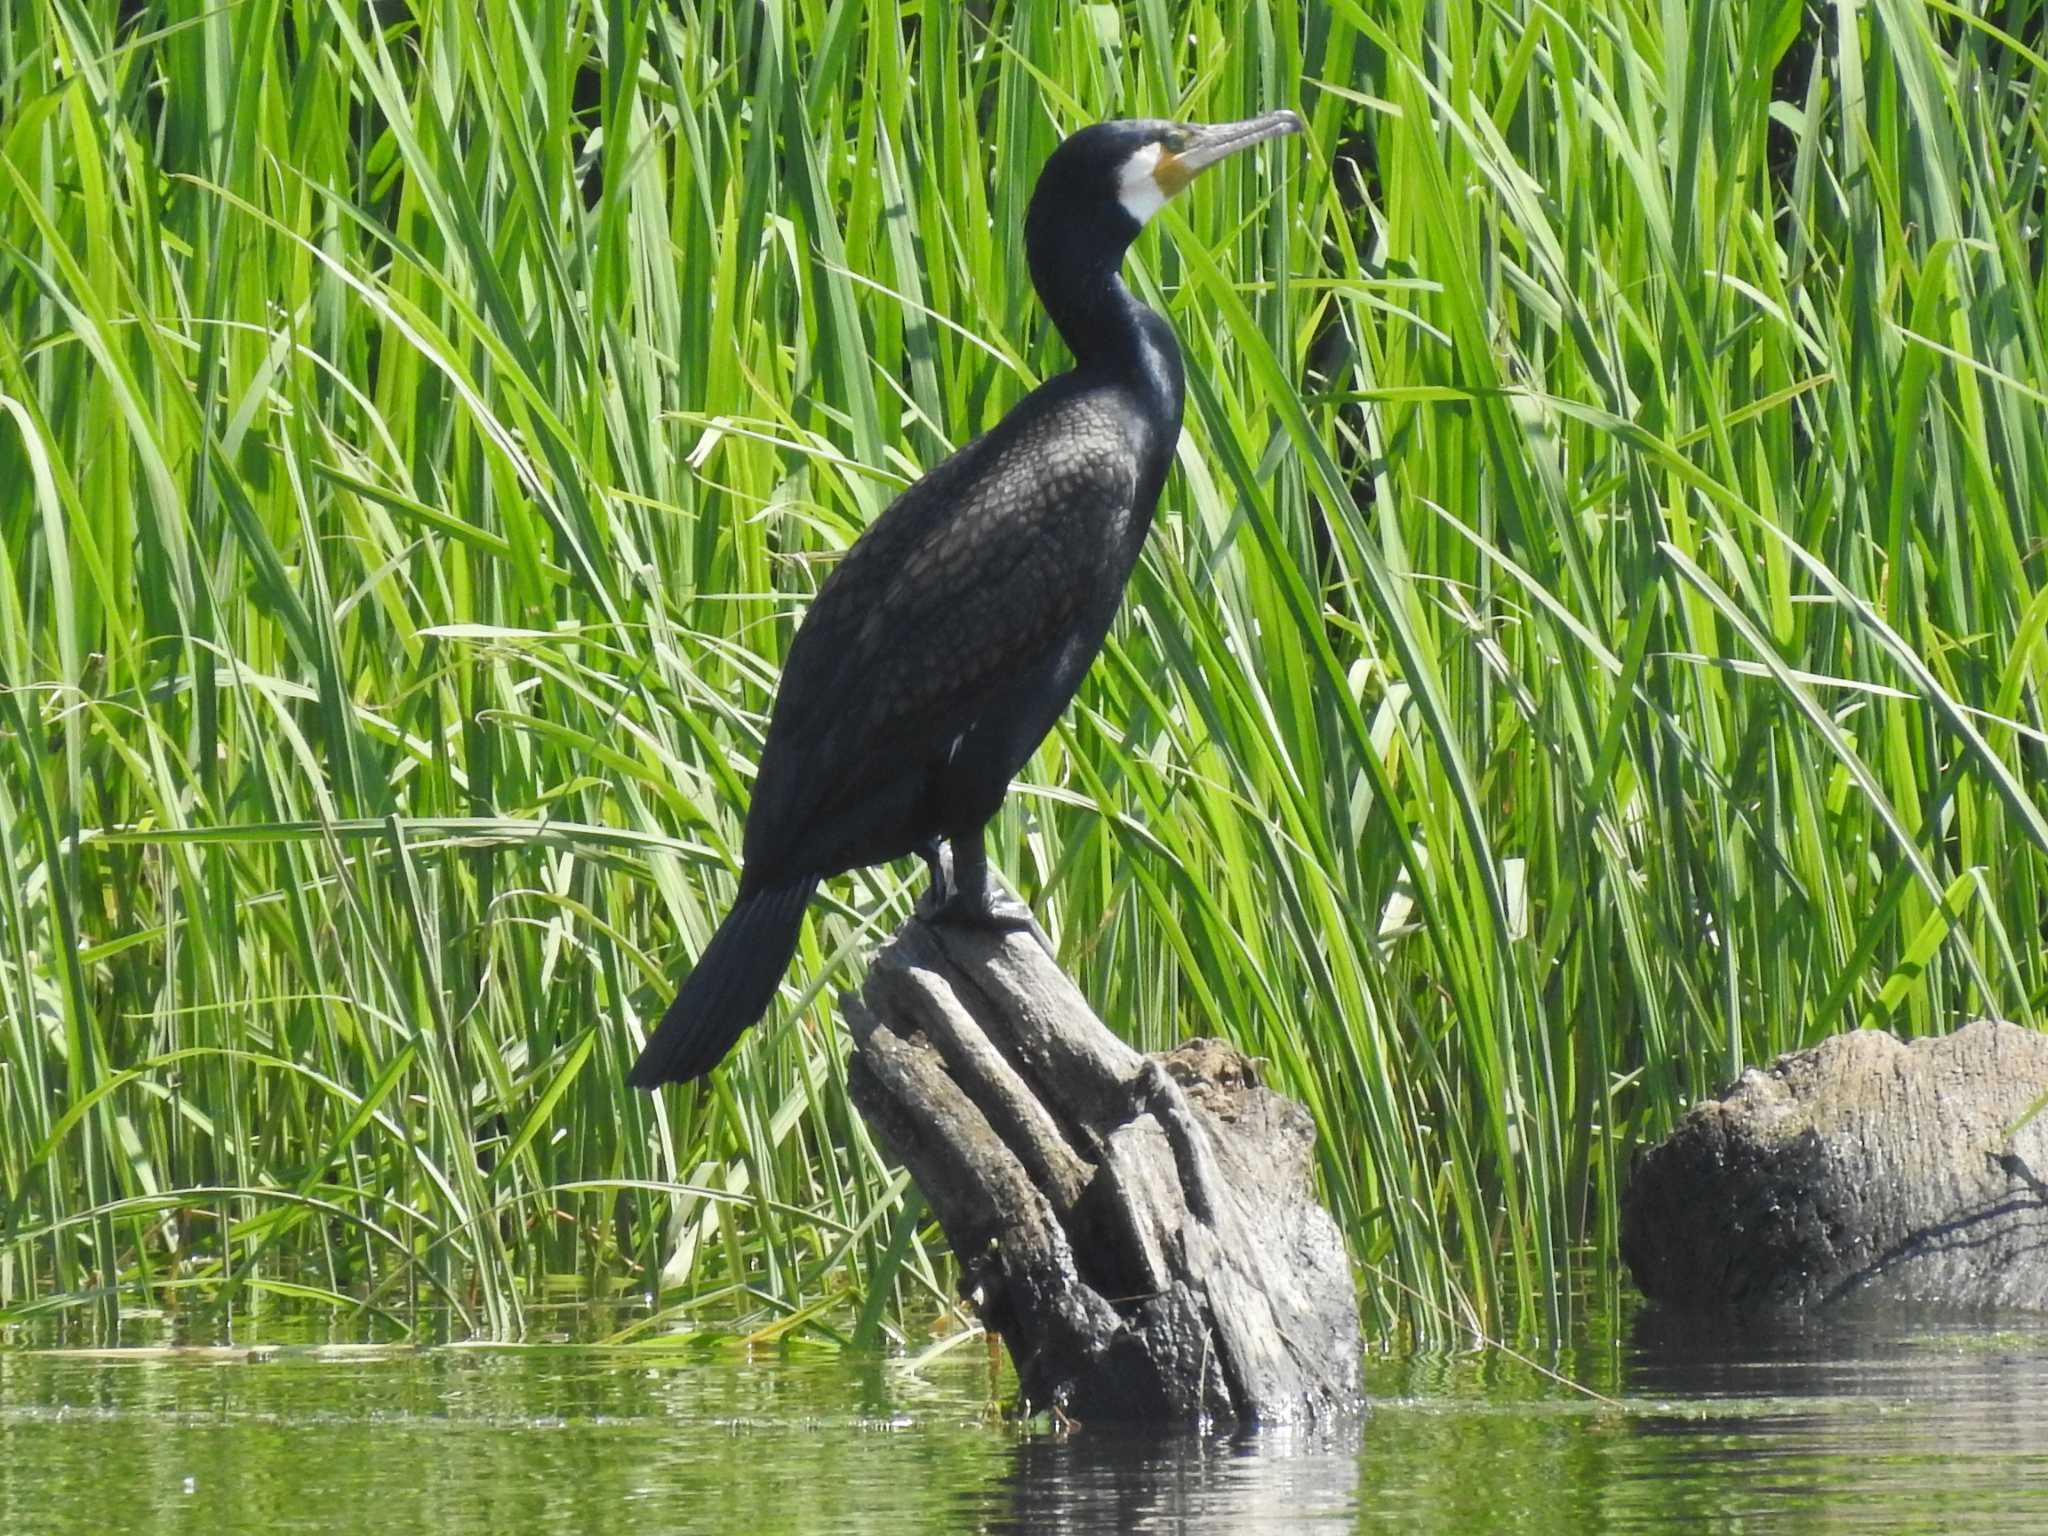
1174, 140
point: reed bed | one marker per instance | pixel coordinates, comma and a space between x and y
1594, 638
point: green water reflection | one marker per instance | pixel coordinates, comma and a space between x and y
1886, 1421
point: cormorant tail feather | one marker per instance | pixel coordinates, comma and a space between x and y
732, 986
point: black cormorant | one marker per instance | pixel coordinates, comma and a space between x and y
947, 642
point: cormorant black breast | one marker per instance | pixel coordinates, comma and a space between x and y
943, 648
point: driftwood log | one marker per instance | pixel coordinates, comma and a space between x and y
1863, 1167
1142, 1231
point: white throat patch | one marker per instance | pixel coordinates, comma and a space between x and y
1137, 189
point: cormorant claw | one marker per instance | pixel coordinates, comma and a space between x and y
985, 905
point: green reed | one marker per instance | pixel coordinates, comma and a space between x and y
1594, 639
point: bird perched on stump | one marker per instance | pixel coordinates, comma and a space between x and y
945, 645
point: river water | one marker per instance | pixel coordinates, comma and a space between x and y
1881, 1421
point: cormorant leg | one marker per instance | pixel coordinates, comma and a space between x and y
938, 860
977, 899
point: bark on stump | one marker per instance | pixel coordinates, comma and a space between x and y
1863, 1167
1140, 1230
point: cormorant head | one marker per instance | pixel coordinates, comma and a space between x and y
1103, 184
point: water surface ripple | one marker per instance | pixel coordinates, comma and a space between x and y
1879, 1421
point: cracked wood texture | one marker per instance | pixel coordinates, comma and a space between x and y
1862, 1167
1142, 1231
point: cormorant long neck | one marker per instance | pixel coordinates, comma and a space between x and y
1102, 322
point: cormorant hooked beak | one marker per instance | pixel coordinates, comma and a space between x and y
1180, 154
1198, 146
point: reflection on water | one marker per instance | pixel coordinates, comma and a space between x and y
1873, 1421
1270, 1480
1883, 1419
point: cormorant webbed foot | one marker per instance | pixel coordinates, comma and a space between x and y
965, 894
990, 907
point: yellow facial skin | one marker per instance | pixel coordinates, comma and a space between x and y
1172, 173
1160, 169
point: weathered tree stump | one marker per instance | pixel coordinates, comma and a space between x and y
1142, 1231
1863, 1167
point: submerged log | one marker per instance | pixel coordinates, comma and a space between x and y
1863, 1167
1142, 1231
